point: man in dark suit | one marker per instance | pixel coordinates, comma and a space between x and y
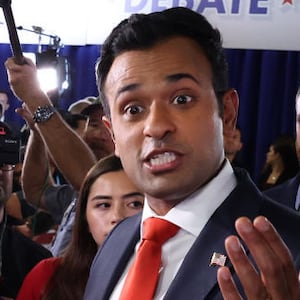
288, 192
163, 78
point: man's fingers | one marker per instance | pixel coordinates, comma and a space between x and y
11, 62
227, 285
275, 276
281, 251
272, 257
248, 275
23, 79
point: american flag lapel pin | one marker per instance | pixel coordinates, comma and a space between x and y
217, 259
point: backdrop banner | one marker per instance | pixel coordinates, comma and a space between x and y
245, 24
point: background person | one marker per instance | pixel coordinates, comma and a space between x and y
107, 196
18, 254
281, 163
288, 193
233, 145
96, 136
4, 105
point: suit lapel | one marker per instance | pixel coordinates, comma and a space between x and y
112, 258
195, 278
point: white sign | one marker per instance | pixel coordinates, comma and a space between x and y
250, 24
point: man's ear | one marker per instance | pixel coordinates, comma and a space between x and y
230, 111
108, 125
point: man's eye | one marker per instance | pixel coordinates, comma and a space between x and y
182, 99
133, 109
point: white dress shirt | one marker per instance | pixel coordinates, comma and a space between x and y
190, 215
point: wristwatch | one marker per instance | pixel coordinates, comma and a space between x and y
43, 113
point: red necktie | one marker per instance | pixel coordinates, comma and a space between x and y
143, 275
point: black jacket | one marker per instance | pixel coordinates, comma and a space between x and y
19, 255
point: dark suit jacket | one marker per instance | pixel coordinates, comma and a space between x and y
195, 278
19, 255
286, 192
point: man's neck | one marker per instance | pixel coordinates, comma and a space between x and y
162, 206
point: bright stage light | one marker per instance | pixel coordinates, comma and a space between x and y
48, 79
53, 71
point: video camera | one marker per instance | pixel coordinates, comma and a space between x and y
10, 147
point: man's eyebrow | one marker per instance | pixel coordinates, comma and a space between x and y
178, 76
170, 78
127, 88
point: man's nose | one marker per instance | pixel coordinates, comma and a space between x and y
158, 122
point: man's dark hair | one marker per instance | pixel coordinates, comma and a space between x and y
143, 31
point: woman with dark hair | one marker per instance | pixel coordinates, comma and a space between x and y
106, 197
281, 163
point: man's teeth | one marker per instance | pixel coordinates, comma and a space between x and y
162, 159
